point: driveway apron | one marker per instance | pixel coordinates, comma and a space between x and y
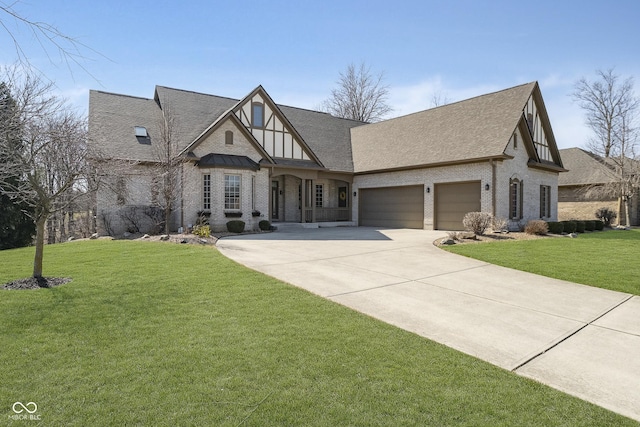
579, 339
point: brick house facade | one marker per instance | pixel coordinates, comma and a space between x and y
252, 159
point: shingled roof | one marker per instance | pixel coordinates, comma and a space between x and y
113, 117
477, 128
584, 168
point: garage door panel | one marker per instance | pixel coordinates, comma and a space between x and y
453, 201
392, 207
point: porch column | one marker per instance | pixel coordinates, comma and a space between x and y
303, 199
313, 202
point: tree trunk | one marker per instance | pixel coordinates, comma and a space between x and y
37, 260
627, 209
167, 217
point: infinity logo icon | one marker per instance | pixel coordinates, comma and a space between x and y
22, 407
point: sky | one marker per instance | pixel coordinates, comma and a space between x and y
453, 49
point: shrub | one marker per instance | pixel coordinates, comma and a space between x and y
499, 225
606, 215
590, 225
235, 226
264, 225
599, 225
202, 230
580, 226
569, 226
536, 226
555, 227
477, 222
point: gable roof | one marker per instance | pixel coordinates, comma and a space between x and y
584, 168
474, 129
113, 116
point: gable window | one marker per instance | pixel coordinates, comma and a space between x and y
515, 198
232, 191
319, 194
257, 115
228, 137
206, 191
545, 201
515, 140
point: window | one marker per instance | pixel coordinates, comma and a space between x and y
141, 131
515, 198
545, 201
257, 115
228, 137
515, 140
319, 196
206, 191
121, 191
232, 191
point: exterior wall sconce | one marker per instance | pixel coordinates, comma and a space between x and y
355, 194
486, 187
428, 189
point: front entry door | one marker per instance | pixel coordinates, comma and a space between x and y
275, 197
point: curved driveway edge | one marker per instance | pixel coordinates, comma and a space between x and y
579, 339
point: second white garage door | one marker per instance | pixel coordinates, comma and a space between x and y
392, 207
453, 201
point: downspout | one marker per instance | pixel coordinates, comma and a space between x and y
182, 195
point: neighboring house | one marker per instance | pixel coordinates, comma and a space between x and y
254, 159
578, 195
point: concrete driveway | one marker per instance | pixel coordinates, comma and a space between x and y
582, 340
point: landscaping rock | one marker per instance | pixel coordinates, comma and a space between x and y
94, 236
164, 237
447, 241
467, 235
71, 239
573, 235
146, 236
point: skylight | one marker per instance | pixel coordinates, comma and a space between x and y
141, 131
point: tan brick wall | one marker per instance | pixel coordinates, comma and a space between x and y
481, 171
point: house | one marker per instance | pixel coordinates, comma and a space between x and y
257, 160
578, 195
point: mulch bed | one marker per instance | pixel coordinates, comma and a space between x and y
36, 283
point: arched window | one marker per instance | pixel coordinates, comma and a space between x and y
228, 137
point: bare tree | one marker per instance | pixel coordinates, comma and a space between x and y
359, 95
70, 50
607, 103
169, 163
50, 158
611, 110
438, 99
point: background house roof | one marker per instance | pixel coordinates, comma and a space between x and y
476, 128
584, 168
113, 117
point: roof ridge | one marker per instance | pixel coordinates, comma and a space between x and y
120, 94
462, 100
196, 92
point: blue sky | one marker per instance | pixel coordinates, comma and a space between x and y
296, 49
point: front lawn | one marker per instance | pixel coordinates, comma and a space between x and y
158, 334
606, 259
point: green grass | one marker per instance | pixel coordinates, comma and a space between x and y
156, 334
606, 259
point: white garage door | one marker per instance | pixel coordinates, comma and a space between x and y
392, 207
